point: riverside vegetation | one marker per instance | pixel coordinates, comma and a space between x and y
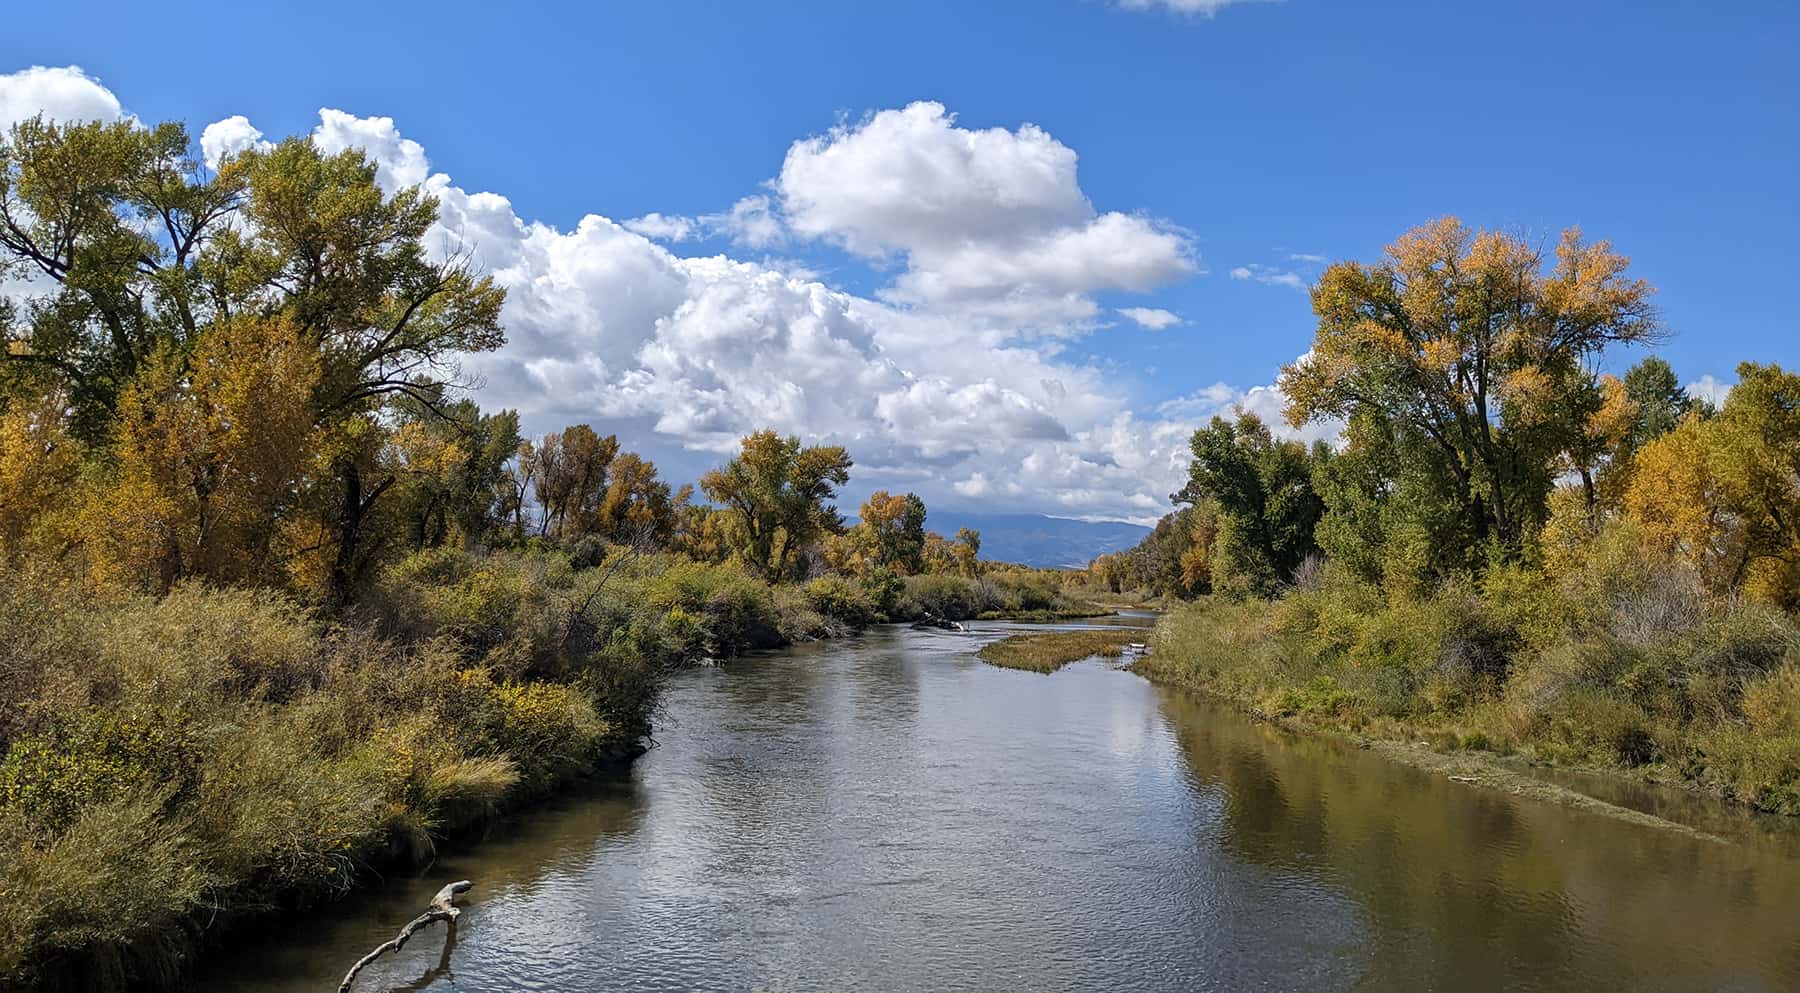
1510, 553
1049, 651
281, 604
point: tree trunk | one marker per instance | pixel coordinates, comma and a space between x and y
346, 565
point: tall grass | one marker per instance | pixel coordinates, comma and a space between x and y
1048, 651
1618, 662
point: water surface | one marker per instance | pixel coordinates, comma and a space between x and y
887, 813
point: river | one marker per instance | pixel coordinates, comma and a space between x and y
888, 813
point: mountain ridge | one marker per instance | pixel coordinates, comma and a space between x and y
1039, 540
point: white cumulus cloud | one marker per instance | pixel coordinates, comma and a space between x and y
750, 222
663, 227
223, 139
989, 222
60, 94
1709, 388
1154, 318
400, 162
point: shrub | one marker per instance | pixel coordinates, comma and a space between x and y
950, 597
1320, 696
221, 749
736, 611
839, 598
883, 589
797, 621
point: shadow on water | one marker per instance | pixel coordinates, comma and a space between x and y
887, 813
513, 856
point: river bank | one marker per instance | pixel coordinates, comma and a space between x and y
1049, 651
1263, 659
1511, 775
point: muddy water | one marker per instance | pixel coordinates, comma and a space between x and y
889, 814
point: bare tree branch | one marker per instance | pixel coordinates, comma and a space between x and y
441, 909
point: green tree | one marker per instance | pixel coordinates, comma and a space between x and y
1267, 508
775, 494
1466, 347
118, 220
1658, 403
453, 463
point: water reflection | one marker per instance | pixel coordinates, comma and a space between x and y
1471, 889
886, 813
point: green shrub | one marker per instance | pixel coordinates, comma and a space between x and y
842, 600
737, 612
796, 621
883, 589
1320, 696
1026, 591
937, 595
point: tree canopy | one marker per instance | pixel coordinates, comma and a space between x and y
1468, 356
776, 495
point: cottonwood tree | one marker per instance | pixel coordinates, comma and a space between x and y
1267, 509
1454, 349
966, 551
959, 556
143, 252
1724, 493
516, 482
890, 534
637, 507
452, 462
39, 466
115, 222
572, 478
211, 449
775, 496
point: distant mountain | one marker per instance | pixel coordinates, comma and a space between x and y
1038, 540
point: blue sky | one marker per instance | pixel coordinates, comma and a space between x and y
976, 352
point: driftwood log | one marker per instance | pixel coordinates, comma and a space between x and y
934, 621
440, 909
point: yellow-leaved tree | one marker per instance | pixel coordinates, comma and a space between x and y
1724, 493
210, 448
39, 464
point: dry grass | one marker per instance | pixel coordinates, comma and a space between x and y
1049, 651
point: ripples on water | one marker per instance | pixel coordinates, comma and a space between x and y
889, 814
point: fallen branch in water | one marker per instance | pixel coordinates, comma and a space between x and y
439, 910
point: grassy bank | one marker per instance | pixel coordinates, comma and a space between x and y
1625, 670
177, 763
1048, 651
